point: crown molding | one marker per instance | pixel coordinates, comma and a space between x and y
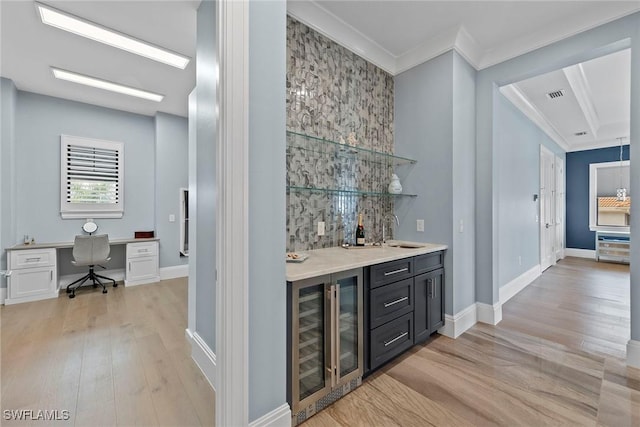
520, 100
326, 23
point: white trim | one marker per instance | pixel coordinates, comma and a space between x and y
279, 417
580, 253
204, 357
3, 295
633, 353
130, 283
115, 274
491, 314
456, 325
174, 272
232, 214
326, 23
509, 290
513, 93
593, 194
582, 91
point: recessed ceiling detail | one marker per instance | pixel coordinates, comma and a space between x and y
555, 94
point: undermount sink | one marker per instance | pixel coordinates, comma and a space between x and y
406, 245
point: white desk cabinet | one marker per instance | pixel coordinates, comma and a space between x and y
33, 275
142, 263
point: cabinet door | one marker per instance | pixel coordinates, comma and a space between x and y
32, 281
142, 268
422, 293
310, 355
349, 346
436, 301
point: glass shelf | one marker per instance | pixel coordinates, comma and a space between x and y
320, 145
353, 192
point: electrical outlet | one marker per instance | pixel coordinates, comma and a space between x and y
461, 227
519, 259
420, 225
321, 228
172, 218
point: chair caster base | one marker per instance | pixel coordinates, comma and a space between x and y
115, 285
104, 291
72, 296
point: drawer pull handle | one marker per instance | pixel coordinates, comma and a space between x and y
402, 335
143, 250
34, 259
389, 304
389, 273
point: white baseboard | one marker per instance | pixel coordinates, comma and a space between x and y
174, 272
3, 295
39, 297
117, 275
491, 314
204, 357
633, 353
456, 325
509, 290
580, 253
279, 417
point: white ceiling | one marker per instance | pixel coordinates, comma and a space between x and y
397, 35
29, 48
596, 100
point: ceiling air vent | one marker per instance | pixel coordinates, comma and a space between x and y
584, 132
556, 94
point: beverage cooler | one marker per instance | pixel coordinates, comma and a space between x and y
325, 347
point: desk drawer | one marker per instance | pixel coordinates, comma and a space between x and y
30, 258
391, 301
141, 249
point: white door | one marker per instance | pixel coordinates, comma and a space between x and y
560, 206
547, 211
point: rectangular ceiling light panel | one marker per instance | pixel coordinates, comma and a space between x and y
103, 84
81, 27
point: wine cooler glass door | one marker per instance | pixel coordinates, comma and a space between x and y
349, 326
311, 343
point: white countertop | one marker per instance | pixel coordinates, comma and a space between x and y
333, 260
62, 245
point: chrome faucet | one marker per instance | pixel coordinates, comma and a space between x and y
384, 228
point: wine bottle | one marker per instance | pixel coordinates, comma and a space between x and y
360, 232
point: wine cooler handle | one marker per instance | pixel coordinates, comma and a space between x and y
333, 317
337, 333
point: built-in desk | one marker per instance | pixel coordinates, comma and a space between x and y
34, 274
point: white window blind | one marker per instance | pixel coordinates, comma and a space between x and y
91, 178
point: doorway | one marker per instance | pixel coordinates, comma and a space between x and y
547, 208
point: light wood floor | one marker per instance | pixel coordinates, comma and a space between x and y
114, 359
555, 359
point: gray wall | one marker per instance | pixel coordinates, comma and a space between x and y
464, 157
424, 131
267, 288
8, 95
206, 128
517, 142
40, 120
172, 148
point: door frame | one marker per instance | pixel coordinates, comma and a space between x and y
546, 156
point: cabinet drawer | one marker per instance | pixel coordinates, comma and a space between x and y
32, 258
390, 272
391, 301
142, 249
428, 262
391, 339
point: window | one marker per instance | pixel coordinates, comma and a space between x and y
606, 212
91, 178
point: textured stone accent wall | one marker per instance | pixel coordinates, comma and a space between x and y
332, 93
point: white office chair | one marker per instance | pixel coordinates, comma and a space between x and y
90, 250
